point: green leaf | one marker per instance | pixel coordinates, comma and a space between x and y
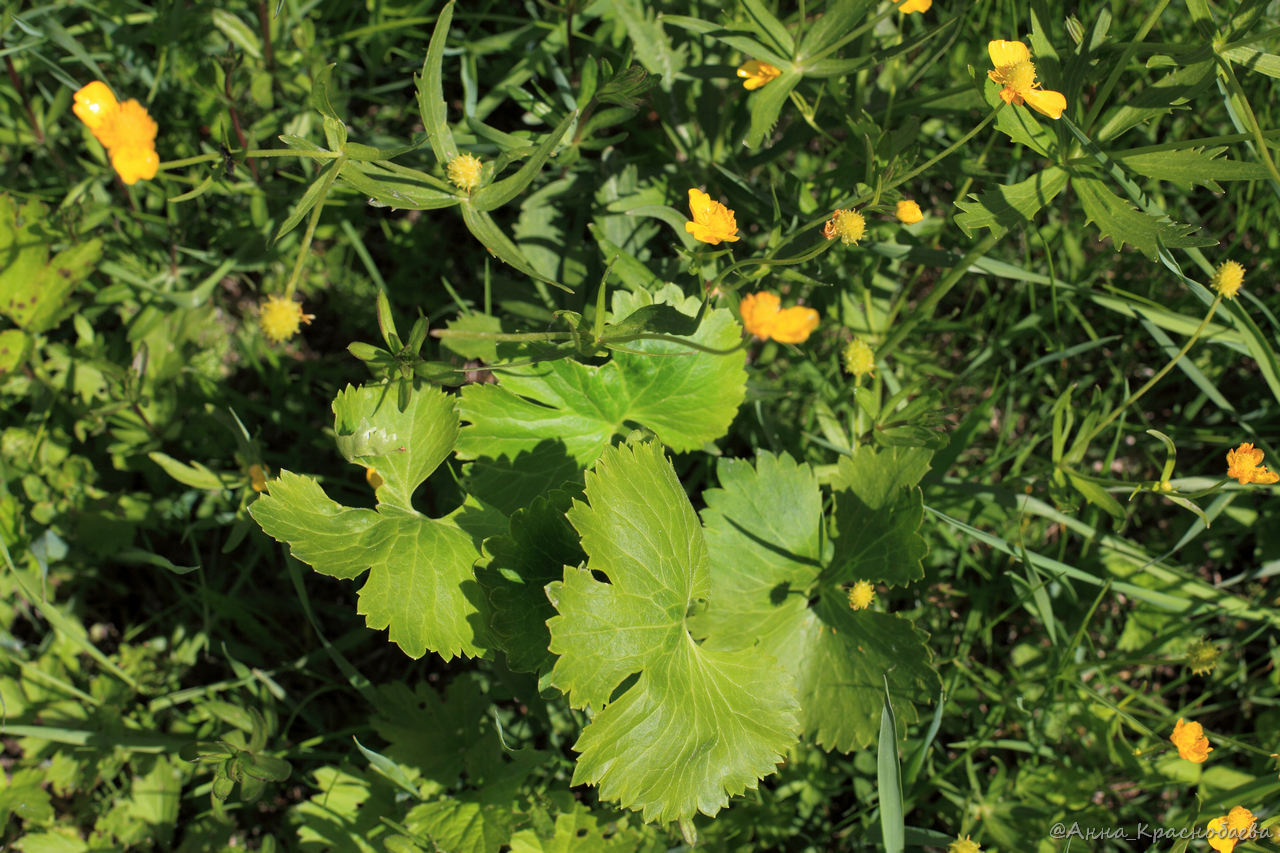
237, 32
1008, 206
1122, 223
21, 795
698, 724
1019, 123
889, 782
1254, 59
877, 516
412, 721
553, 418
34, 288
195, 475
764, 531
1195, 73
420, 583
769, 27
1189, 167
766, 105
495, 195
484, 229
463, 824
651, 44
13, 349
395, 189
431, 104
532, 554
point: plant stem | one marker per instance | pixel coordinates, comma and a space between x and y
1136, 395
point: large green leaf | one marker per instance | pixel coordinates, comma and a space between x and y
420, 582
698, 723
542, 423
33, 287
772, 580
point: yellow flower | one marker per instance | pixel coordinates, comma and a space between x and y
1017, 75
1236, 825
907, 8
848, 225
1227, 279
281, 318
963, 845
93, 103
126, 130
755, 73
859, 358
1244, 464
861, 594
908, 212
257, 478
135, 164
1191, 743
763, 317
464, 171
373, 478
712, 221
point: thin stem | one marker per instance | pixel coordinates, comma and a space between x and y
797, 259
1136, 395
946, 152
312, 221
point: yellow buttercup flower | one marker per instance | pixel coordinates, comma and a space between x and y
1244, 464
1227, 279
126, 130
908, 212
1235, 826
464, 171
907, 8
964, 845
712, 222
373, 478
257, 478
859, 358
763, 316
755, 73
1191, 742
861, 595
848, 225
93, 103
281, 318
1016, 74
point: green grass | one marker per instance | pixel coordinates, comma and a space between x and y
173, 678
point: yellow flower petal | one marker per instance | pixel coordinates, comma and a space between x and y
908, 212
93, 103
795, 325
1191, 742
281, 318
1046, 101
135, 164
755, 73
1007, 52
909, 6
759, 313
712, 223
